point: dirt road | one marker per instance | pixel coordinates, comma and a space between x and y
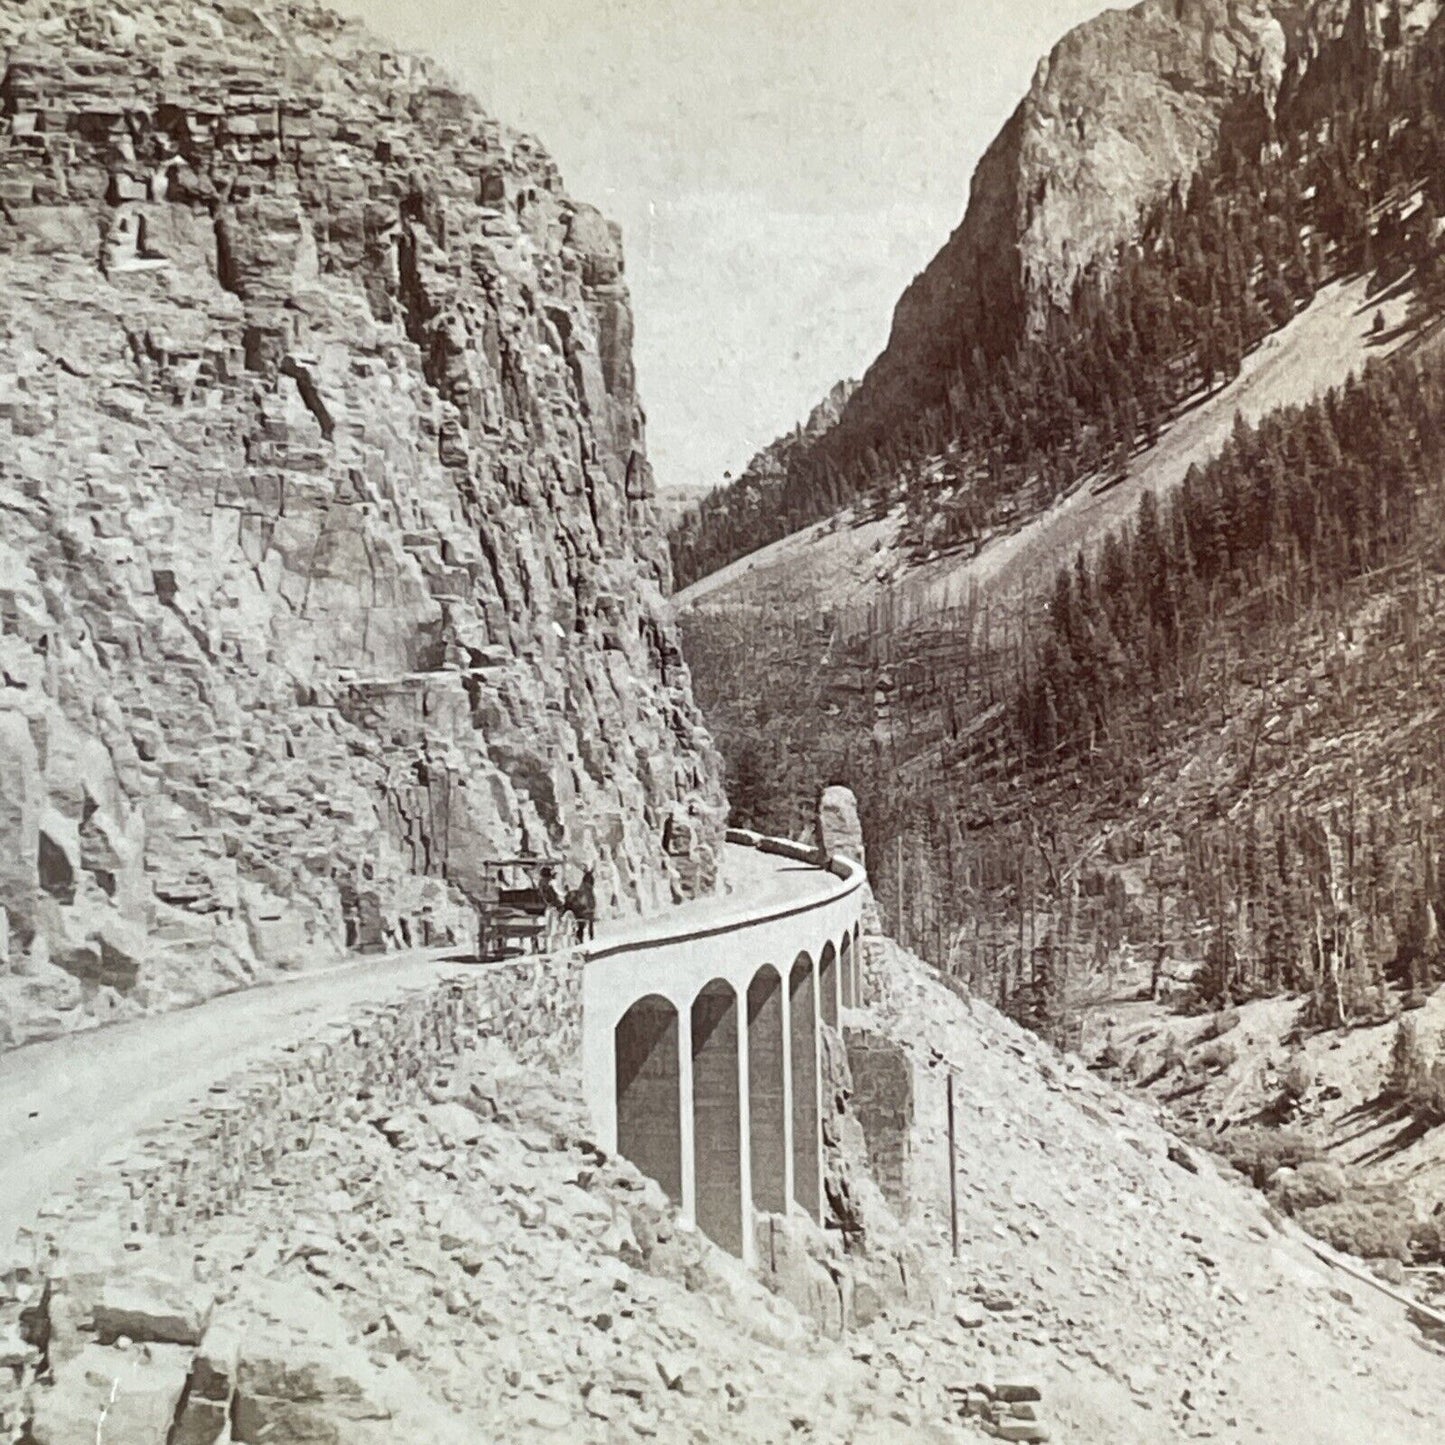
66, 1103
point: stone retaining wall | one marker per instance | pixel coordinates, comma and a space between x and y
883, 1102
201, 1164
221, 1153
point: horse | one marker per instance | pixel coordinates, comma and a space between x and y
581, 905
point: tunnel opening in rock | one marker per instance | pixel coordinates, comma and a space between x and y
803, 1046
649, 1103
846, 981
828, 985
717, 1115
767, 1093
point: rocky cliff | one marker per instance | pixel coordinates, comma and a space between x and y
329, 564
1122, 107
1125, 106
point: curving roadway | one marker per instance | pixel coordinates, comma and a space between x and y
67, 1102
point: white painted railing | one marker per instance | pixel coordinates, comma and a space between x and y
701, 1054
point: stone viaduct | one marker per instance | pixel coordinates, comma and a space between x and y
701, 1047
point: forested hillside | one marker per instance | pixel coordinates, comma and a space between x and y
1337, 173
1194, 754
1209, 751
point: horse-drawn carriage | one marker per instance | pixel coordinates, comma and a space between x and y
522, 908
519, 906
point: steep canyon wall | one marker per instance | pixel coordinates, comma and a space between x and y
329, 563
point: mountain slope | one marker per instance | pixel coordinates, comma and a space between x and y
330, 560
949, 645
864, 575
1155, 148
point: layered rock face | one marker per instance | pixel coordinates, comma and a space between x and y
329, 565
1125, 106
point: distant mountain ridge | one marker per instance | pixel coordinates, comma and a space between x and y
729, 515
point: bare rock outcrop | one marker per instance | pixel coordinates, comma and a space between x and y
330, 563
1126, 105
839, 829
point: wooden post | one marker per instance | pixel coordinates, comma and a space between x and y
952, 1172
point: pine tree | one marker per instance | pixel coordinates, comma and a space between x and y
1409, 1068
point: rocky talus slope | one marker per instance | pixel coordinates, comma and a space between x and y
402, 1230
329, 563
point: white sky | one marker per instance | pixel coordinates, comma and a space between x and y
781, 171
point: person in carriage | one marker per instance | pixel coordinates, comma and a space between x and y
581, 906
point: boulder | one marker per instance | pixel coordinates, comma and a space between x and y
154, 1308
123, 949
207, 1410
453, 1123
299, 1376
124, 1397
96, 946
462, 1232
839, 830
201, 1422
79, 958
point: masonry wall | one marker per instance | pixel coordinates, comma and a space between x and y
883, 1102
205, 1162
690, 970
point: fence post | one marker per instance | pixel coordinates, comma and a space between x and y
952, 1172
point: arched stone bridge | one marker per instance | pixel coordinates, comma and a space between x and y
698, 1032
701, 1047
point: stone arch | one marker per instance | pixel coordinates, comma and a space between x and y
649, 1100
767, 1092
828, 985
845, 972
803, 1048
717, 1115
